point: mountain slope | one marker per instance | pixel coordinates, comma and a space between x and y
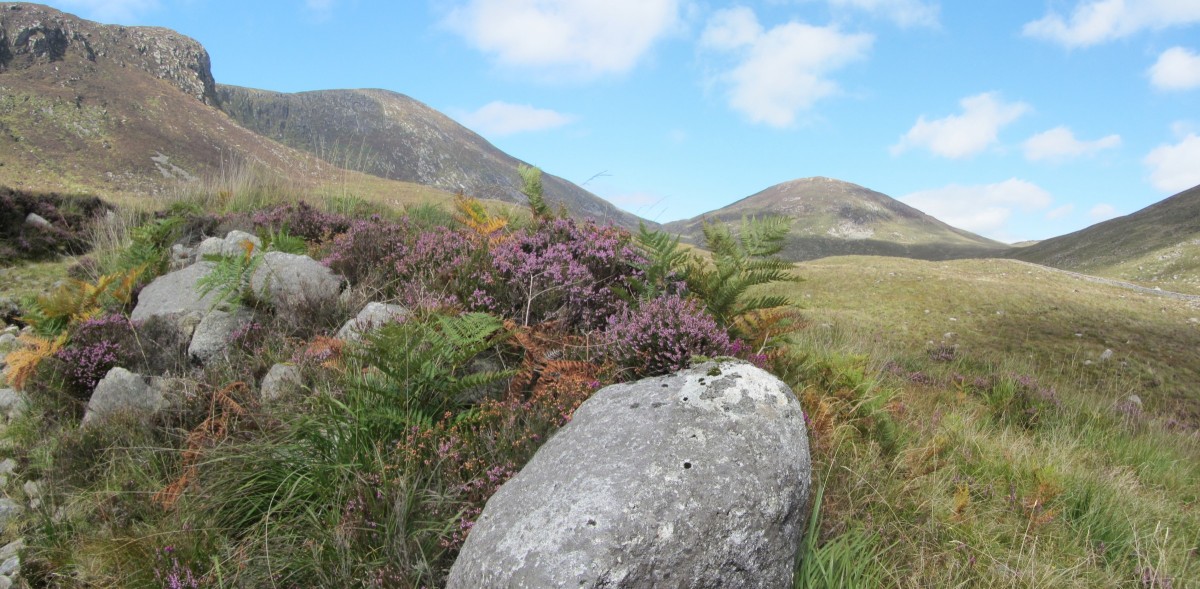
832, 218
393, 136
1158, 245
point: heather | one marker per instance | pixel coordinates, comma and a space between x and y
65, 232
966, 430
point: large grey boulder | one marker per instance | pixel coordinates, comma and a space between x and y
176, 297
122, 391
212, 334
291, 282
697, 479
372, 316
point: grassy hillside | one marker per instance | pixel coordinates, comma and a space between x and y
831, 217
973, 429
1156, 246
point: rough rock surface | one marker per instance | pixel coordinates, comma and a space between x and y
230, 245
176, 297
212, 334
123, 391
697, 479
280, 379
372, 316
12, 403
290, 281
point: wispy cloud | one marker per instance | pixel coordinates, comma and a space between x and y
966, 134
1174, 167
503, 118
111, 11
1102, 212
781, 71
1060, 212
1177, 68
1060, 143
983, 209
569, 37
1097, 21
905, 13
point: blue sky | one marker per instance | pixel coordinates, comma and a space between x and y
1016, 119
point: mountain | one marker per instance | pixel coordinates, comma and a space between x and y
86, 107
833, 218
1158, 245
131, 111
390, 135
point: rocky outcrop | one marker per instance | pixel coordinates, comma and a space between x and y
291, 282
697, 479
30, 34
176, 296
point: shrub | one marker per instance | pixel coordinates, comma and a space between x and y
562, 270
662, 335
302, 220
66, 234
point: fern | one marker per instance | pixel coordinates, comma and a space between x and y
282, 241
230, 277
470, 212
739, 264
665, 263
24, 361
413, 372
78, 300
531, 180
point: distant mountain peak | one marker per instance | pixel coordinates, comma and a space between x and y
835, 217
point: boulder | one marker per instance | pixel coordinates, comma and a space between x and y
230, 245
696, 479
176, 297
291, 282
122, 391
279, 381
212, 334
372, 316
9, 510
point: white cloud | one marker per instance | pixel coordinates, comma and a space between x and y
503, 118
584, 38
1060, 143
1175, 168
1060, 212
1176, 69
1102, 212
906, 13
109, 11
984, 209
783, 70
965, 134
1097, 21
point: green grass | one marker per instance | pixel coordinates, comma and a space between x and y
1087, 493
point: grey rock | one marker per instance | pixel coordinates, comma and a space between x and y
176, 297
181, 256
5, 582
33, 492
372, 316
9, 509
290, 282
8, 339
697, 479
12, 549
232, 244
212, 334
7, 466
210, 247
279, 381
122, 391
36, 220
1106, 355
11, 330
12, 403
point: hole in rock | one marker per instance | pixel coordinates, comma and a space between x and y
687, 465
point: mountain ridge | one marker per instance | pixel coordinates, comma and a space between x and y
834, 217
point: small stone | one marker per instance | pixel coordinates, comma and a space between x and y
232, 244
1106, 355
36, 220
372, 316
1134, 400
12, 403
210, 247
33, 492
281, 379
9, 509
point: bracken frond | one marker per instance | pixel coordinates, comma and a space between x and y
23, 361
222, 408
